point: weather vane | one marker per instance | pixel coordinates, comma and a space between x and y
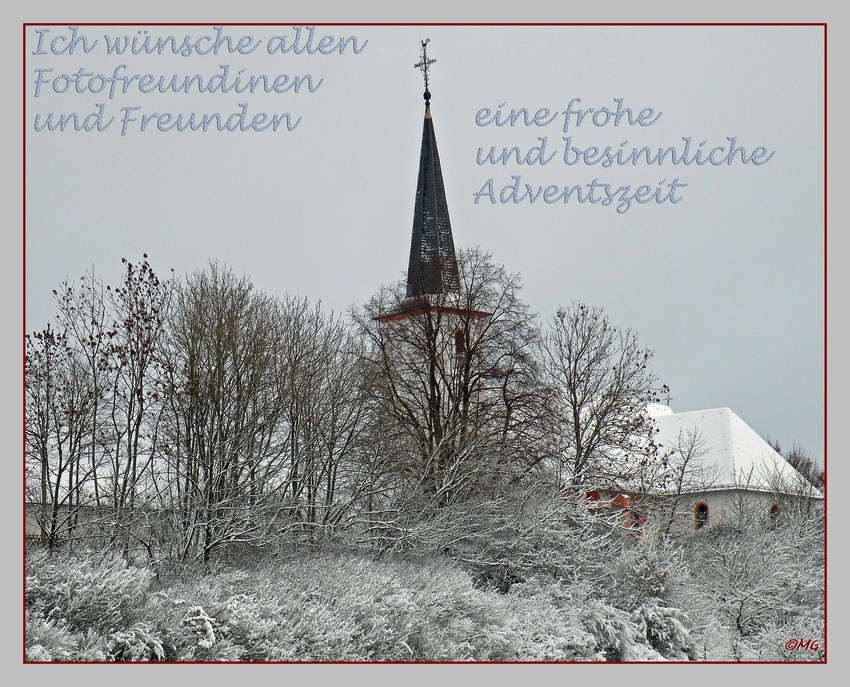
423, 64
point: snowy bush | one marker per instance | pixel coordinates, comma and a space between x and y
251, 623
754, 579
546, 623
326, 607
611, 628
50, 640
456, 621
557, 621
646, 570
100, 594
771, 643
205, 639
139, 643
346, 606
663, 629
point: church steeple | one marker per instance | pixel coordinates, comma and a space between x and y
433, 265
433, 269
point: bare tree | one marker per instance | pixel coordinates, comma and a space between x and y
131, 359
325, 413
458, 371
802, 461
601, 384
685, 473
58, 403
265, 408
225, 403
84, 316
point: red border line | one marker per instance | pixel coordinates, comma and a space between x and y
26, 25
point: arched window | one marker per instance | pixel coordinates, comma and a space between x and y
775, 510
460, 342
700, 516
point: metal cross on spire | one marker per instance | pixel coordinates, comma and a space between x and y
424, 64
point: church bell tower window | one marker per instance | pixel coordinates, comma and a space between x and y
460, 343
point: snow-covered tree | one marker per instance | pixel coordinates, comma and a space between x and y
601, 384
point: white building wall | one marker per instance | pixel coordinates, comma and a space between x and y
727, 508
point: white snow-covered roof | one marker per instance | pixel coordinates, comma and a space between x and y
733, 455
656, 410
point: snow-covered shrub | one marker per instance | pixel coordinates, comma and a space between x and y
385, 623
50, 640
772, 643
278, 613
184, 630
139, 643
753, 579
645, 570
455, 621
201, 625
546, 623
663, 629
206, 639
753, 587
611, 628
711, 640
101, 594
93, 647
527, 533
252, 624
347, 606
476, 620
313, 629
350, 607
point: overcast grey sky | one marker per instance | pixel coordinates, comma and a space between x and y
726, 285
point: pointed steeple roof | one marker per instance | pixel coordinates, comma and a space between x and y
432, 269
433, 265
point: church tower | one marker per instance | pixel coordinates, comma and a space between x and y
440, 364
433, 265
433, 281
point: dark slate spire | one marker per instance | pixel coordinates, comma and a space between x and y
433, 265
